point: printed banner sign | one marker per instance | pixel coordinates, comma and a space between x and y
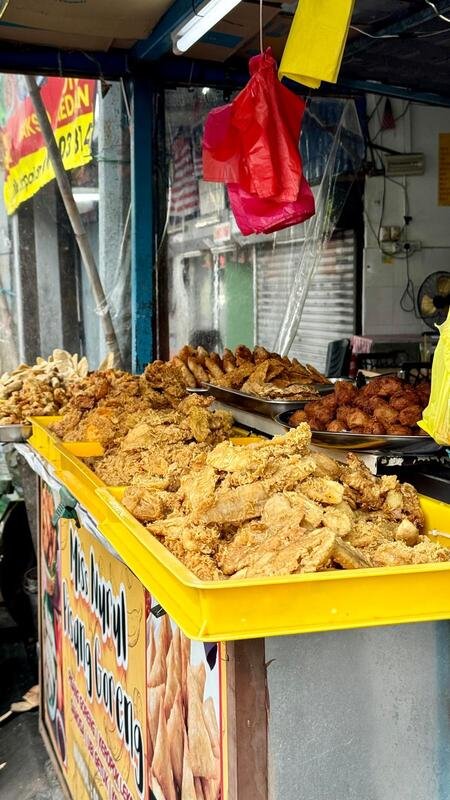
132, 707
70, 107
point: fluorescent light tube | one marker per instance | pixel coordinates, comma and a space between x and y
205, 19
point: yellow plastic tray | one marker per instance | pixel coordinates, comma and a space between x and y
243, 609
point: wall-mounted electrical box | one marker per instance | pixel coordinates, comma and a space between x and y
396, 165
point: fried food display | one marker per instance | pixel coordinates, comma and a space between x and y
273, 507
107, 404
40, 390
159, 449
184, 758
256, 372
386, 405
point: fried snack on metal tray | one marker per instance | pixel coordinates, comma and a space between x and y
386, 405
42, 389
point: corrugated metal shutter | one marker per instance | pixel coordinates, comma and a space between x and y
329, 311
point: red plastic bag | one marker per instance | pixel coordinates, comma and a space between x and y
263, 215
251, 145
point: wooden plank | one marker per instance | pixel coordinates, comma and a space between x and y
251, 706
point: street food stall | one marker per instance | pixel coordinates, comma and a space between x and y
238, 597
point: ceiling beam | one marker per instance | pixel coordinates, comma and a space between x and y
160, 40
74, 63
403, 26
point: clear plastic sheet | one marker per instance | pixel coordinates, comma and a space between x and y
345, 154
227, 289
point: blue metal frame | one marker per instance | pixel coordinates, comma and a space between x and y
74, 63
159, 42
142, 225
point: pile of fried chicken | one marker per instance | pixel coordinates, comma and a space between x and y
148, 433
256, 372
274, 508
386, 405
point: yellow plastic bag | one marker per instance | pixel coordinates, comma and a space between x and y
436, 417
316, 41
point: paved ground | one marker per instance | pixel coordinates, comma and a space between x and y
27, 773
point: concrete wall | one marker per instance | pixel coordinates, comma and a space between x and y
360, 715
385, 278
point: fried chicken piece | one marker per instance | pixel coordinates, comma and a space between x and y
249, 462
297, 417
339, 518
326, 467
369, 531
235, 505
407, 533
283, 512
236, 554
427, 552
398, 430
260, 354
384, 413
324, 413
342, 413
376, 429
402, 399
308, 553
349, 557
361, 486
313, 512
203, 566
384, 386
317, 550
200, 538
423, 390
345, 393
323, 490
410, 415
357, 419
234, 378
199, 373
335, 427
186, 375
243, 354
316, 424
166, 377
214, 369
392, 554
198, 486
229, 361
145, 505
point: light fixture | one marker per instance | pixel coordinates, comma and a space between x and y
205, 18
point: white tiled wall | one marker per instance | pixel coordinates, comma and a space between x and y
384, 279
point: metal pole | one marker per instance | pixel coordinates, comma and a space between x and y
76, 222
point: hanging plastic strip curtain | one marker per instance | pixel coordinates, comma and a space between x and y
344, 159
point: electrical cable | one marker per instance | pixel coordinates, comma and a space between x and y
261, 43
436, 11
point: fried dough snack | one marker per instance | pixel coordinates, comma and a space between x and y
258, 373
386, 405
184, 757
43, 389
273, 508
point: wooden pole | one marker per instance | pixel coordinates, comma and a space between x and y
76, 222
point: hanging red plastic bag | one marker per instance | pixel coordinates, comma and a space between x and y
251, 145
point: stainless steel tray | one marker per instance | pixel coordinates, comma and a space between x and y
249, 402
346, 440
15, 433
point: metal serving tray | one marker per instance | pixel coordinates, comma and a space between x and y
259, 405
345, 440
15, 433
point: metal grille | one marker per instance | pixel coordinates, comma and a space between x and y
329, 311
